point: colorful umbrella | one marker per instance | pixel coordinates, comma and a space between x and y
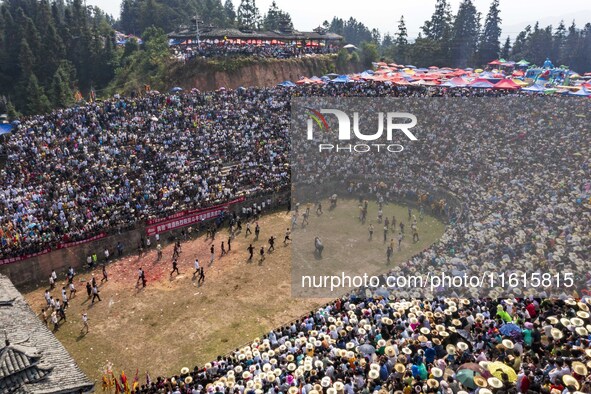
466, 377
497, 369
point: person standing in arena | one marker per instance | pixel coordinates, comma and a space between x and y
250, 251
105, 277
84, 323
175, 268
196, 265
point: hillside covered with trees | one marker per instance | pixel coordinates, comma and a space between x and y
51, 50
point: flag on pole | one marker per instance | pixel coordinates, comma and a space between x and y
92, 95
118, 389
148, 380
106, 382
136, 380
78, 96
125, 383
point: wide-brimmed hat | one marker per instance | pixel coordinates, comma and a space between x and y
450, 349
437, 372
390, 351
579, 368
480, 381
188, 380
582, 331
507, 343
570, 380
374, 374
463, 346
556, 333
432, 383
495, 382
184, 371
400, 368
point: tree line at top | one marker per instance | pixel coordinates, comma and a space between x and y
137, 15
469, 39
53, 49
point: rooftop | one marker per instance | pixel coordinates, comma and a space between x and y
32, 360
283, 35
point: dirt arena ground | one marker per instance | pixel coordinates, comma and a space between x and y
174, 322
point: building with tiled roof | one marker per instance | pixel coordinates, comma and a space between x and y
32, 360
286, 35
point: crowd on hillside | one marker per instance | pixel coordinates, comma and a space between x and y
109, 165
216, 50
382, 344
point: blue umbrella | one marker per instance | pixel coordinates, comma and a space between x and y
176, 89
366, 349
510, 329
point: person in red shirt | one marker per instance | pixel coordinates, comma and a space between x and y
531, 309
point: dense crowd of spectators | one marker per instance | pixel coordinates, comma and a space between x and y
382, 344
520, 165
209, 50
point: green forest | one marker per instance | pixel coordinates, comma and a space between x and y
53, 49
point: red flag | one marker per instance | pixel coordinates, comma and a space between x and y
124, 382
118, 389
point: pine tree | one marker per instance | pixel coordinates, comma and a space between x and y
490, 45
248, 15
506, 51
275, 18
35, 98
465, 34
440, 23
558, 42
61, 94
401, 42
230, 12
387, 41
572, 46
438, 30
26, 60
214, 13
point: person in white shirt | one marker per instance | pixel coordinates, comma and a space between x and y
84, 323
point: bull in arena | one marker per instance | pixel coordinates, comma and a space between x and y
333, 202
318, 247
